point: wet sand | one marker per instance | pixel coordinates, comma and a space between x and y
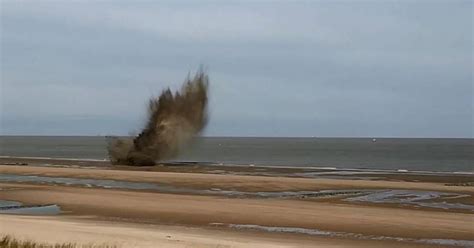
247, 183
294, 172
137, 208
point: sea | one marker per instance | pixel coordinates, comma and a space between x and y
399, 154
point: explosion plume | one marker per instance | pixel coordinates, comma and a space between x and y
173, 120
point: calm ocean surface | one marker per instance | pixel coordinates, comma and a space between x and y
386, 153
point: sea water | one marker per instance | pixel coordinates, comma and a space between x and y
450, 155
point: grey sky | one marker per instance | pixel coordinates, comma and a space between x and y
299, 68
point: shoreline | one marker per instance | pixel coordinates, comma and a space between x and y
106, 162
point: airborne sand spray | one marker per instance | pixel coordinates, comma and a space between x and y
173, 120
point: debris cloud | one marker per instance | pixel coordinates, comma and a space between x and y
173, 120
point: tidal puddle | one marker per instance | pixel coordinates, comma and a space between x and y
114, 184
430, 199
289, 194
101, 183
4, 203
14, 207
316, 232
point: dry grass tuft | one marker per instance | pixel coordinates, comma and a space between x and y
10, 242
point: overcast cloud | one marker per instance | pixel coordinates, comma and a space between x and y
303, 68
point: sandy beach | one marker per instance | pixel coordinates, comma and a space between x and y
121, 234
201, 219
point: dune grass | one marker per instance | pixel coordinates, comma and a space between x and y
10, 242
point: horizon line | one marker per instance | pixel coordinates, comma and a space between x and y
247, 136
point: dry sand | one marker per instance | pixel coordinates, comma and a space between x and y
126, 235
